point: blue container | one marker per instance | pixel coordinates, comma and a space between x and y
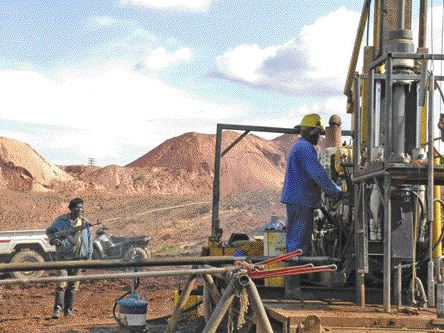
133, 310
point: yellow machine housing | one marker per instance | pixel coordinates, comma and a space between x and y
246, 246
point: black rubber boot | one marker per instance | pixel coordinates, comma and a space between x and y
70, 296
58, 304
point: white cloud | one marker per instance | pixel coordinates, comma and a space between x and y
186, 5
244, 62
315, 63
104, 21
105, 106
159, 58
17, 135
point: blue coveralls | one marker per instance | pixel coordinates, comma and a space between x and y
304, 179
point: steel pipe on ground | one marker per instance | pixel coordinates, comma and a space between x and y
153, 262
177, 272
95, 264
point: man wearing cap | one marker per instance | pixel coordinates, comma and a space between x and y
304, 179
75, 246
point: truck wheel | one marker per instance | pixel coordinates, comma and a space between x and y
26, 256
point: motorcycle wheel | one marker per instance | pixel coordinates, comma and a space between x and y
140, 253
96, 255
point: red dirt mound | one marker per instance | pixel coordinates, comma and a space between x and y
254, 163
285, 142
180, 166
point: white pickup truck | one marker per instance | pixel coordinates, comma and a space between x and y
25, 246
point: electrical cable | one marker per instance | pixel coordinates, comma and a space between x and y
335, 223
436, 150
441, 236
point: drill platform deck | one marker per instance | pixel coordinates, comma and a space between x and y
347, 317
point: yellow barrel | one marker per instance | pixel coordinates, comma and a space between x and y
274, 245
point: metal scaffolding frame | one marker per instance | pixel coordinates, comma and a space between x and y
388, 172
216, 231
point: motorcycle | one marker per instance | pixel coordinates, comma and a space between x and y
107, 246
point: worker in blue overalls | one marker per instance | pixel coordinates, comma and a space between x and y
304, 179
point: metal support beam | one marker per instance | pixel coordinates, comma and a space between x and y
377, 27
357, 126
398, 142
388, 109
371, 115
358, 190
356, 48
250, 128
235, 142
215, 222
399, 286
216, 231
358, 252
398, 55
387, 243
430, 183
422, 35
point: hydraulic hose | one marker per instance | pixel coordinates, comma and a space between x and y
421, 203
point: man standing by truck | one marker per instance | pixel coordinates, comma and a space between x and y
304, 179
74, 243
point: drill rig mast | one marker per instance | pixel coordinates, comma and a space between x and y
395, 174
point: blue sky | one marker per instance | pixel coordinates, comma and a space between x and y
114, 79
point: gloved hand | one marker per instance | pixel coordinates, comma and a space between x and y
347, 197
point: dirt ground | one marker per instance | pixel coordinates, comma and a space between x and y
177, 231
29, 308
176, 225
